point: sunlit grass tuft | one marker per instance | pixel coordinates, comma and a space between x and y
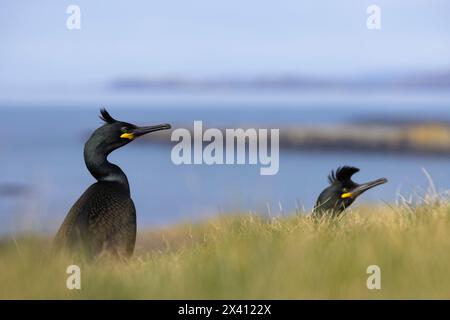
251, 257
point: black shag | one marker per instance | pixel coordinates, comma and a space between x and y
104, 217
342, 192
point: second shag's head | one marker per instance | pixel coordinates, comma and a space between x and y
342, 191
115, 134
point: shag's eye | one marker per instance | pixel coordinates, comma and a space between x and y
124, 130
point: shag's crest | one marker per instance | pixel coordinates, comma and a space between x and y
342, 174
105, 116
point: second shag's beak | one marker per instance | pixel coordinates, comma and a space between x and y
140, 131
360, 189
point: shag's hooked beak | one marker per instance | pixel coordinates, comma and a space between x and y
360, 189
140, 131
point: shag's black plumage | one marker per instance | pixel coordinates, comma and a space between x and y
344, 173
106, 117
342, 192
104, 217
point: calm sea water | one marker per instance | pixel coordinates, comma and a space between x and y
41, 148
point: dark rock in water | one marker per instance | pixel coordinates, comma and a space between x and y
13, 190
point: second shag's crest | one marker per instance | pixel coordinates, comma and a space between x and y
105, 116
342, 174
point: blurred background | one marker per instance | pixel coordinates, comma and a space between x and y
339, 92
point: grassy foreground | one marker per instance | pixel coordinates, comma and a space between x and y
250, 257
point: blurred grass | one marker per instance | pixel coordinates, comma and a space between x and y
251, 257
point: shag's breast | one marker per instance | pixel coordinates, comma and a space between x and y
103, 218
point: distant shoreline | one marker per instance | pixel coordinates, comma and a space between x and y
415, 138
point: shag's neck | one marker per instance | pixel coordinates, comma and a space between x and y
98, 165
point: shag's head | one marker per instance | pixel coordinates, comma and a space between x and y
342, 191
115, 134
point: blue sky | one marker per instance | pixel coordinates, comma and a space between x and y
200, 38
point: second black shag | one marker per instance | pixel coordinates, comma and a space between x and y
342, 192
104, 217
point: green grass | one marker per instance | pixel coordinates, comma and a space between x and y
250, 257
